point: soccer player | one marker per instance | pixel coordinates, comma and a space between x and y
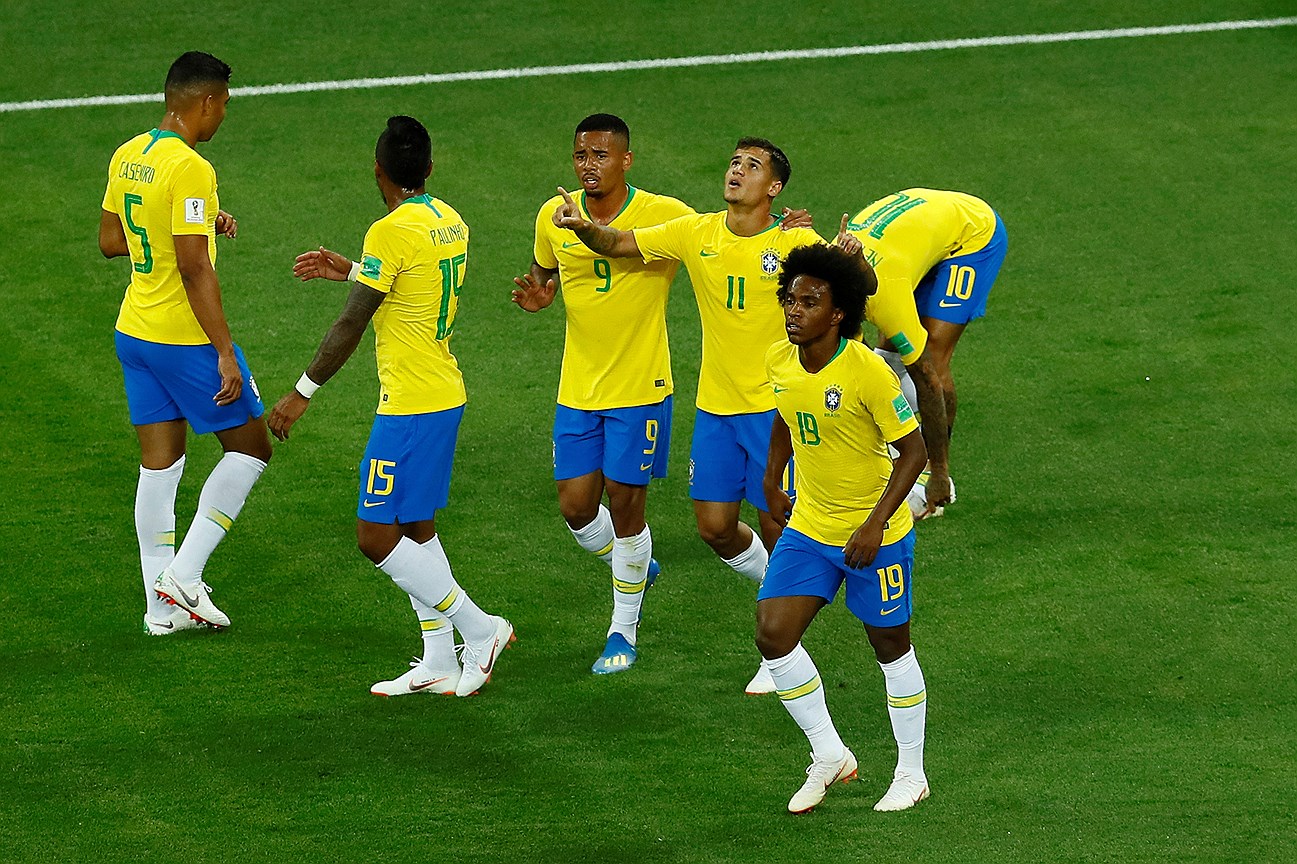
408, 282
936, 254
733, 261
178, 360
612, 426
850, 522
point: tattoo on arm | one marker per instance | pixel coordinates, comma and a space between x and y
343, 337
604, 240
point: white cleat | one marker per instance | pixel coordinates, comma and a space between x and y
762, 682
479, 660
904, 793
419, 679
175, 620
195, 601
819, 777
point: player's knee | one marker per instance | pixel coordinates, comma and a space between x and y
577, 514
717, 533
772, 643
375, 546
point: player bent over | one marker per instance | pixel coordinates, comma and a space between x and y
408, 282
178, 359
839, 407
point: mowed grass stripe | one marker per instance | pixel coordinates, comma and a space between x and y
678, 62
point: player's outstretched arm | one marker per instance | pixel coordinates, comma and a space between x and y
338, 346
936, 428
601, 239
778, 504
864, 543
204, 294
112, 237
322, 264
535, 289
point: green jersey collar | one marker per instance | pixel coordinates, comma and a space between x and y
630, 196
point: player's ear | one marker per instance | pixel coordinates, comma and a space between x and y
627, 160
775, 188
428, 173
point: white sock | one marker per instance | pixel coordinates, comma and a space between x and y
424, 573
597, 537
907, 383
907, 704
630, 563
155, 528
436, 630
751, 562
797, 682
222, 498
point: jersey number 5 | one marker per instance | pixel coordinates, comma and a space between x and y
146, 265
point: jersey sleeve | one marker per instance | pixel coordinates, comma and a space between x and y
543, 248
380, 260
669, 241
193, 199
885, 402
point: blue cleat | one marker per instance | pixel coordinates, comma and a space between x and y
654, 569
618, 656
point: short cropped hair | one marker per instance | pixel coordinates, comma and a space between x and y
605, 123
194, 71
404, 151
783, 168
851, 280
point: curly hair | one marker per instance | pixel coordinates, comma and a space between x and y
851, 280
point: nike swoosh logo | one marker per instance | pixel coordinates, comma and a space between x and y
170, 625
372, 503
781, 389
568, 245
705, 254
944, 305
646, 467
192, 601
415, 688
490, 661
890, 611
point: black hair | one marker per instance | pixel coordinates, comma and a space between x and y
404, 151
194, 71
605, 123
851, 280
783, 168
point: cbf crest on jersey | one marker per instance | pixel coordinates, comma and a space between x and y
833, 398
769, 261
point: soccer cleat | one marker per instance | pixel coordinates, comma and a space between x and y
618, 656
174, 621
819, 777
195, 600
654, 569
420, 679
479, 660
904, 793
762, 682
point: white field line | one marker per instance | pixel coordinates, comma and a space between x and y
678, 62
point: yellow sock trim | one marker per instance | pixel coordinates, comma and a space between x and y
907, 701
800, 690
448, 601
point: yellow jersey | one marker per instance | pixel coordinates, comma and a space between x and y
734, 280
615, 351
416, 255
159, 187
904, 236
841, 420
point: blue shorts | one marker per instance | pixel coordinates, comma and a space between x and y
405, 472
727, 459
956, 289
878, 594
177, 382
629, 445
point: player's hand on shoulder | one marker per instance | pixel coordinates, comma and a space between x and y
231, 380
864, 544
568, 214
322, 264
226, 224
846, 241
796, 219
531, 294
287, 411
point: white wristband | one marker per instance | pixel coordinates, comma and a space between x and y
355, 271
305, 386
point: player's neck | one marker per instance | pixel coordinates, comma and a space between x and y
604, 209
395, 196
819, 352
179, 125
748, 220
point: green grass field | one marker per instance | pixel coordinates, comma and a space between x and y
1104, 619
